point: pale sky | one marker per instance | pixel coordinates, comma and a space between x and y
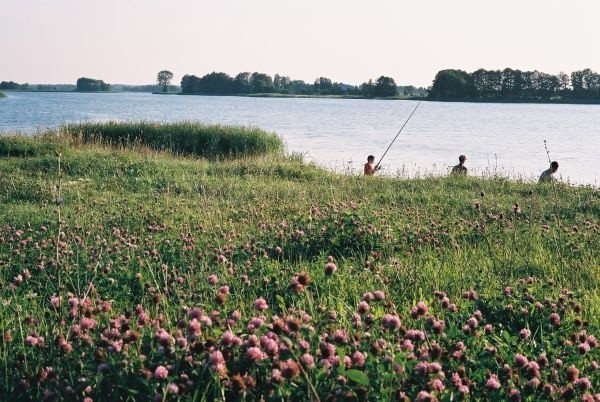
129, 41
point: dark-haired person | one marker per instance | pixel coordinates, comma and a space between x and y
369, 168
460, 168
548, 175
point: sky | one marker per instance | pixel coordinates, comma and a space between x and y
350, 41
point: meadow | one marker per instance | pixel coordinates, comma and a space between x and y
139, 262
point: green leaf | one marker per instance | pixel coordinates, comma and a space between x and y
358, 377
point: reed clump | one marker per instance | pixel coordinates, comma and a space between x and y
183, 138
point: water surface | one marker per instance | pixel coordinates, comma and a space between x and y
507, 139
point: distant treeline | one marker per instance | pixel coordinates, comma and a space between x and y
218, 83
13, 86
517, 85
143, 88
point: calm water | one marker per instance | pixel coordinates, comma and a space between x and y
340, 133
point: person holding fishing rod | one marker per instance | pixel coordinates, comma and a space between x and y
548, 175
369, 169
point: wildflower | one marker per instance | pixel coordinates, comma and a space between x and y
407, 345
224, 290
161, 372
584, 383
379, 295
516, 208
472, 322
591, 340
56, 300
419, 310
391, 321
358, 359
437, 385
572, 373
212, 279
554, 319
488, 329
254, 353
425, 396
463, 389
492, 382
261, 304
533, 369
229, 339
415, 335
255, 322
363, 307
330, 268
340, 336
514, 395
368, 297
583, 348
524, 333
308, 360
172, 388
438, 326
276, 375
194, 327
520, 360
289, 368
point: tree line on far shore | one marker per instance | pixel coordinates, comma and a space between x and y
245, 83
516, 85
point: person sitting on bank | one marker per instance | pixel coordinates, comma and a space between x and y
548, 175
369, 168
460, 168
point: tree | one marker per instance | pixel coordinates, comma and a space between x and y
242, 83
164, 78
189, 84
385, 86
367, 89
323, 86
262, 83
452, 84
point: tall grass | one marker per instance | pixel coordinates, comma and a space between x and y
185, 138
23, 146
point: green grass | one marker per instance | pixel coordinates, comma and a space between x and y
143, 227
2, 95
184, 138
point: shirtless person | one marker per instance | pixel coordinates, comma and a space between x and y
369, 169
548, 175
460, 168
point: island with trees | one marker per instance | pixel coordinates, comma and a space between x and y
85, 84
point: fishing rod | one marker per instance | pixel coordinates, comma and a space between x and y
547, 152
401, 128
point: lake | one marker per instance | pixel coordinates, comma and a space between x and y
505, 139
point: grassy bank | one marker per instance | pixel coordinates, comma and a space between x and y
133, 272
2, 95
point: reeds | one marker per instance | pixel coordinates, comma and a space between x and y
184, 138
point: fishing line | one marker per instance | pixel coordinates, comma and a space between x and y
401, 128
